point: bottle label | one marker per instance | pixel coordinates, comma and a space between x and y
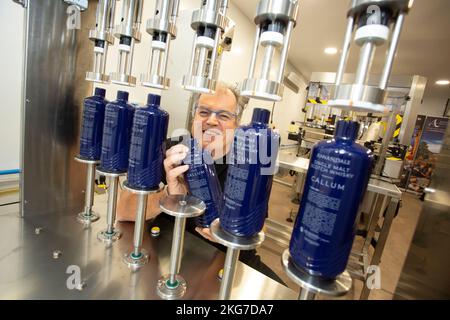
329, 179
89, 114
108, 131
137, 139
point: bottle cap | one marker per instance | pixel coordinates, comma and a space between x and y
155, 231
122, 95
100, 92
154, 99
346, 130
261, 115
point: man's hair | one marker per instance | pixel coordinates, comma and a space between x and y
241, 101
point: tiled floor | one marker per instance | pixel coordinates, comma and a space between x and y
394, 254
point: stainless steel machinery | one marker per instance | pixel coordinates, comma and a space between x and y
209, 23
127, 31
425, 271
173, 286
102, 37
138, 257
234, 245
372, 20
162, 28
274, 21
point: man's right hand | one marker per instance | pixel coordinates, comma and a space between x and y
174, 170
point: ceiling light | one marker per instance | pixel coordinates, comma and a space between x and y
443, 82
330, 51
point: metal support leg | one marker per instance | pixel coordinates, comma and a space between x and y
229, 270
110, 234
173, 286
88, 216
235, 245
386, 227
305, 294
138, 257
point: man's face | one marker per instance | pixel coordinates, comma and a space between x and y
215, 121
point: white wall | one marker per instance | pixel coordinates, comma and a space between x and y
433, 106
12, 18
234, 69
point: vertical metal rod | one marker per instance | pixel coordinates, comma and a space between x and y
212, 63
174, 13
193, 54
268, 55
229, 270
285, 51
392, 50
130, 58
112, 203
251, 72
390, 129
166, 58
102, 15
152, 56
111, 14
203, 55
177, 248
365, 61
345, 51
89, 196
223, 7
306, 295
139, 224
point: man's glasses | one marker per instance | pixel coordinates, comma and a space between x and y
221, 115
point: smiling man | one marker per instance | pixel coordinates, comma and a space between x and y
215, 118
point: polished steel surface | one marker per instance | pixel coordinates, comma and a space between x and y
138, 191
199, 84
361, 6
28, 270
355, 94
182, 206
229, 271
207, 17
335, 288
285, 10
54, 91
262, 89
425, 273
231, 241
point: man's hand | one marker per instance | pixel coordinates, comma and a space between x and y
206, 233
174, 169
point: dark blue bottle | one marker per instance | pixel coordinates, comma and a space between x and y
92, 125
148, 145
117, 134
335, 185
249, 177
203, 183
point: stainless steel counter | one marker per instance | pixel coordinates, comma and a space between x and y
28, 269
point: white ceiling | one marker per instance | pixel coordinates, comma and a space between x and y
424, 46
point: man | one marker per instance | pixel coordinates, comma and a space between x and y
214, 120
